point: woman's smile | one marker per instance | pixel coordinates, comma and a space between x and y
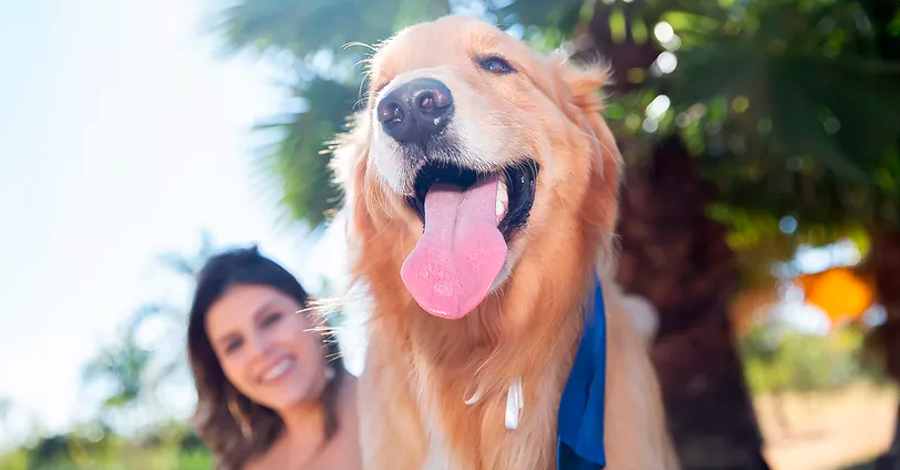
278, 370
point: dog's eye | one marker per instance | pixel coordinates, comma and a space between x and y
496, 65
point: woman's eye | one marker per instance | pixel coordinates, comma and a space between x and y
271, 319
496, 65
234, 345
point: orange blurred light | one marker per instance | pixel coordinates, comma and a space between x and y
843, 295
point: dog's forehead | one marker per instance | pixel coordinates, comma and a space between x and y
443, 42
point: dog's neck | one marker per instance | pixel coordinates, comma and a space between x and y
487, 350
541, 302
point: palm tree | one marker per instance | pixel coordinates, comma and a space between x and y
313, 32
169, 359
124, 368
188, 265
134, 372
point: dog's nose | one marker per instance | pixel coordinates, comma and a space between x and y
416, 110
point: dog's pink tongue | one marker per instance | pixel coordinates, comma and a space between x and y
452, 268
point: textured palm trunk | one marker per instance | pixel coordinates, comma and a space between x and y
677, 257
885, 264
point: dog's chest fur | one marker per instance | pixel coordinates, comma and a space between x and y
453, 443
414, 415
473, 436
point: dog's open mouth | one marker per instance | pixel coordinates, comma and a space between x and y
515, 190
469, 219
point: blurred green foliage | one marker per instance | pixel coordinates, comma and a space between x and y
171, 446
801, 106
326, 41
307, 190
779, 358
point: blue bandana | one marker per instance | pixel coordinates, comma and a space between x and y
580, 444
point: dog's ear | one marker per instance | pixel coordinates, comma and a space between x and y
582, 84
578, 91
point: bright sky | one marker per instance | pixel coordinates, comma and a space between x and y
123, 133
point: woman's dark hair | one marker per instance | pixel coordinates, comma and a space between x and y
216, 423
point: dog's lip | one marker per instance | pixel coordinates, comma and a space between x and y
519, 179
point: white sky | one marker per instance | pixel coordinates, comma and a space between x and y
123, 132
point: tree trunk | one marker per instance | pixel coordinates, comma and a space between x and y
885, 265
676, 257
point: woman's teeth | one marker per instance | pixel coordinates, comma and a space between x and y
502, 200
277, 370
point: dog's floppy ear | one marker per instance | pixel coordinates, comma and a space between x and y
578, 91
582, 84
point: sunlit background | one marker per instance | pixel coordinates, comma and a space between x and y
763, 188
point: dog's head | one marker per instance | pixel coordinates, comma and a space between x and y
475, 157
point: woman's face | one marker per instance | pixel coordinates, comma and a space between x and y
265, 349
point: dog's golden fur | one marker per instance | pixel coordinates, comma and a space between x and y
420, 368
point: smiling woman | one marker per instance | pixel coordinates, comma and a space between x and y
272, 392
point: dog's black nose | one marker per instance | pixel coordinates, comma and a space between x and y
416, 110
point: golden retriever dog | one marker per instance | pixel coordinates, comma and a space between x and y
481, 183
